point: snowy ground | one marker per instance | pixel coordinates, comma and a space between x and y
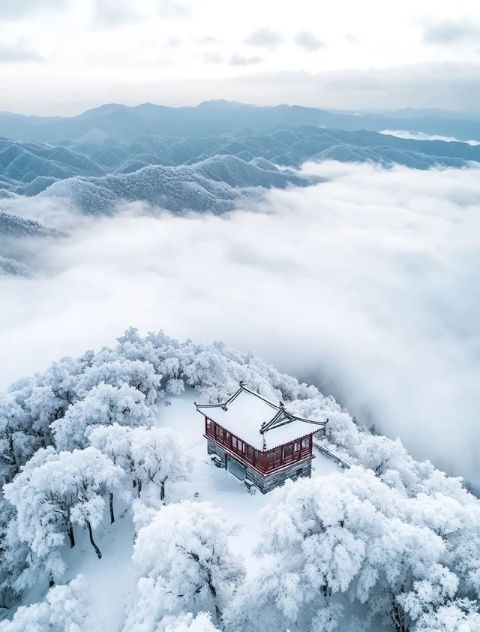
218, 486
112, 579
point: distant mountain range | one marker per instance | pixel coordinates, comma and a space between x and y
204, 173
177, 159
121, 122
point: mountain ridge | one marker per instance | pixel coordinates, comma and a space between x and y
218, 117
30, 167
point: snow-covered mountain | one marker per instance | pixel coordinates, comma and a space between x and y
214, 185
15, 232
22, 162
28, 168
96, 166
95, 173
15, 226
113, 518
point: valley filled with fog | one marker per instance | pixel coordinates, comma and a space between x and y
362, 280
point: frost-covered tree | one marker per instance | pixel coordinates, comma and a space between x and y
150, 456
327, 619
185, 565
459, 615
54, 492
110, 368
188, 623
158, 457
346, 534
65, 609
457, 521
118, 387
45, 397
115, 442
13, 556
18, 440
103, 405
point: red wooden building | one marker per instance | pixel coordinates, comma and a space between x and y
259, 441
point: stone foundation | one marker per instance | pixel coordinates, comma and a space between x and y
265, 483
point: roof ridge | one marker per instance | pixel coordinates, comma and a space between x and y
281, 417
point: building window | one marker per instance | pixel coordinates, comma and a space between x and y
234, 442
219, 432
305, 443
274, 458
287, 451
250, 452
240, 446
296, 446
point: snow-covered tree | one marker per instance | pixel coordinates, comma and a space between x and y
345, 534
52, 493
110, 368
189, 623
115, 442
411, 506
150, 456
65, 609
327, 618
13, 556
45, 397
158, 457
457, 521
18, 440
103, 405
185, 565
459, 615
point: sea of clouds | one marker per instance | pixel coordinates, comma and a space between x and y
366, 284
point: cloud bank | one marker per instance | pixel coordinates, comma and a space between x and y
451, 31
401, 133
18, 51
17, 9
366, 284
449, 86
244, 60
114, 12
308, 41
265, 38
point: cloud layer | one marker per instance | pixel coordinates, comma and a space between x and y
102, 51
16, 9
265, 38
18, 51
451, 31
366, 284
308, 41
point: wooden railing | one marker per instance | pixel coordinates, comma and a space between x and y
343, 462
264, 461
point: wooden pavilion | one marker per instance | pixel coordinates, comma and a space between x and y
259, 441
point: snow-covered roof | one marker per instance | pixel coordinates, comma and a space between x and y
258, 421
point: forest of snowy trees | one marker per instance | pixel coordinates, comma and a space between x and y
391, 542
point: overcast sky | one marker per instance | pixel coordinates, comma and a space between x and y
61, 56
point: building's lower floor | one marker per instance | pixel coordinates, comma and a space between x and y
264, 482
